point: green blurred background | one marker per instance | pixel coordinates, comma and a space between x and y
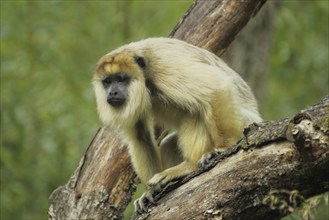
48, 53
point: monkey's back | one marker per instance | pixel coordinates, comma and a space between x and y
195, 73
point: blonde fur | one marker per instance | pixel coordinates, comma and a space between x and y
193, 93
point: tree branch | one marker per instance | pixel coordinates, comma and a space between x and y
213, 25
102, 185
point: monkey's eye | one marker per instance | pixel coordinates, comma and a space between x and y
107, 81
140, 61
122, 78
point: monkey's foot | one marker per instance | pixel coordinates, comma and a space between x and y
143, 203
208, 158
170, 175
161, 180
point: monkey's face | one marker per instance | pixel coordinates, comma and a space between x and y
117, 88
119, 84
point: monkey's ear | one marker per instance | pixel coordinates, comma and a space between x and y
140, 61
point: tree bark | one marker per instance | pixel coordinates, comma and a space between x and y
213, 25
104, 181
102, 185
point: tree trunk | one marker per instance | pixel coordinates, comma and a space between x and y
103, 183
249, 54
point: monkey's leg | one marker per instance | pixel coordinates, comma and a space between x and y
194, 140
160, 180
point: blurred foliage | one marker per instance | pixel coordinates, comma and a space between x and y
48, 54
49, 50
299, 72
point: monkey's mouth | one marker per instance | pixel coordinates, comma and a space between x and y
116, 102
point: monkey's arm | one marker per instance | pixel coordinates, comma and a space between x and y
146, 160
143, 151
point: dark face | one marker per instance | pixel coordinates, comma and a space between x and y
117, 87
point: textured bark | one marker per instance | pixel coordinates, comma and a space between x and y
249, 54
271, 171
213, 25
104, 181
102, 185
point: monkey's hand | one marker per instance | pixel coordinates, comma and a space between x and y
143, 203
157, 183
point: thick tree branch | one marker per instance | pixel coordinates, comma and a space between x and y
102, 185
